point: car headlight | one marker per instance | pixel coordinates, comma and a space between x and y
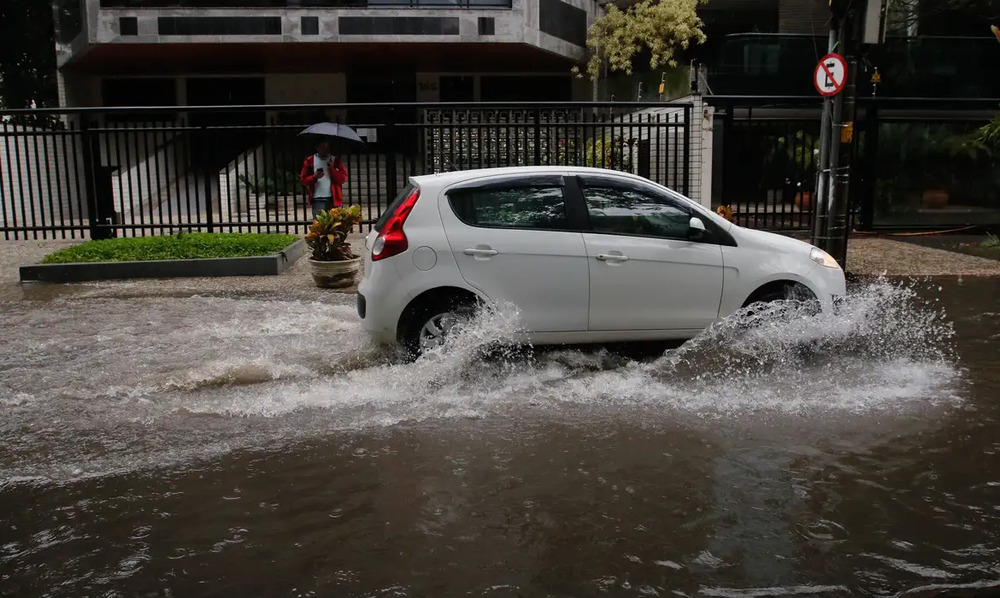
823, 258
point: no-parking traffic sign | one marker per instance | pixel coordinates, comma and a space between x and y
830, 75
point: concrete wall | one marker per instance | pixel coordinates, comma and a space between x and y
149, 164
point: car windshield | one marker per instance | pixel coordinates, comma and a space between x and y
407, 190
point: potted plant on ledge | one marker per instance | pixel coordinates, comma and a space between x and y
331, 262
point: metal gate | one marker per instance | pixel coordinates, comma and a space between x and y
102, 172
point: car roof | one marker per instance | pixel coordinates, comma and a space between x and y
459, 176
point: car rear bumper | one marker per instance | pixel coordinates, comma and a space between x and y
380, 304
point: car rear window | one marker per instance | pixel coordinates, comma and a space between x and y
407, 190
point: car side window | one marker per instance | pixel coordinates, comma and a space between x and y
540, 207
630, 211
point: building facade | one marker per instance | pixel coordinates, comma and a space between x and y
214, 52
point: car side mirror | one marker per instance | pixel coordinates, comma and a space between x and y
696, 229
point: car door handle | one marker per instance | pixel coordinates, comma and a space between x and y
476, 252
609, 257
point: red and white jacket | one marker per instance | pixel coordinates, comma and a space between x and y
338, 176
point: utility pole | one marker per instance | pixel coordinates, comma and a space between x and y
832, 209
824, 182
840, 211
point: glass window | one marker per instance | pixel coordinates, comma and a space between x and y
624, 211
535, 207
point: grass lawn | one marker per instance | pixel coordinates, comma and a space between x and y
184, 246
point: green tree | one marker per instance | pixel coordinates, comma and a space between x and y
27, 54
660, 28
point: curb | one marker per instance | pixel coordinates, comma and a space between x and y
264, 265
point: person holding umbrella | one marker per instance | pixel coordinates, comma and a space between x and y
324, 176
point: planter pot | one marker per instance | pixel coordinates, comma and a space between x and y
334, 275
935, 199
804, 201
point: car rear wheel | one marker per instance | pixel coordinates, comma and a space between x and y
431, 326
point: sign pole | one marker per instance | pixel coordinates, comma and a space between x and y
820, 203
840, 212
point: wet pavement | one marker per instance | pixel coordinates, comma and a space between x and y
255, 445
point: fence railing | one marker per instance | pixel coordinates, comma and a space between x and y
95, 173
904, 148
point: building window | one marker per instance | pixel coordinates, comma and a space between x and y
219, 25
398, 25
128, 26
562, 20
457, 88
310, 25
509, 88
487, 26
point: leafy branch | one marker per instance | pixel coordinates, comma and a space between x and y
660, 27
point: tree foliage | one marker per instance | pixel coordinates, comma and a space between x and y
660, 28
27, 54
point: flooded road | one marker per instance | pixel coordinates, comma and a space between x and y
254, 446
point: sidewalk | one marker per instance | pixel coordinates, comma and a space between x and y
295, 282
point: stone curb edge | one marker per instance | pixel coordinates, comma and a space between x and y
264, 265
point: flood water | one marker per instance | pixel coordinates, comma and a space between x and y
254, 446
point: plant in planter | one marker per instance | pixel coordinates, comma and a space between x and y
331, 261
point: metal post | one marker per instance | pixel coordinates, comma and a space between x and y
538, 136
209, 217
391, 147
832, 229
823, 185
91, 149
841, 208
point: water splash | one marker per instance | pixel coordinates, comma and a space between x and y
882, 349
146, 381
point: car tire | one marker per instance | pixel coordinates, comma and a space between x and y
791, 292
429, 325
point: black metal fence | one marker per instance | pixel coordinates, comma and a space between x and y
144, 171
769, 157
917, 164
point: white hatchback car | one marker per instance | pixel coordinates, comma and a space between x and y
587, 256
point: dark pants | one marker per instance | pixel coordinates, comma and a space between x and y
321, 204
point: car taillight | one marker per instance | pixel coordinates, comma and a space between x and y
391, 240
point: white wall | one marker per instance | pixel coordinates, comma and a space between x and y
41, 178
149, 164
